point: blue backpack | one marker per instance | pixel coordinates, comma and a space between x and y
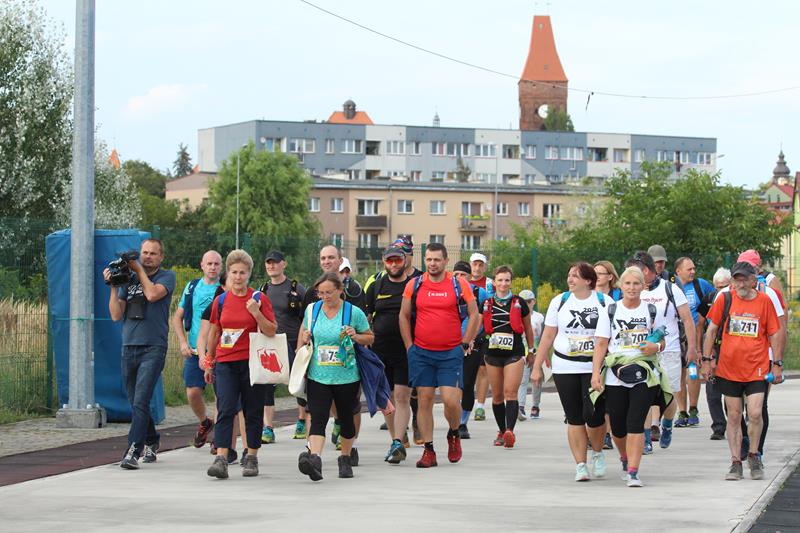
221, 300
347, 313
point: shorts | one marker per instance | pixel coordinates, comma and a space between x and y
395, 362
193, 375
481, 345
573, 391
738, 388
501, 360
429, 368
671, 364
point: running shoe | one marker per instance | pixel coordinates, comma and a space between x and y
396, 453
717, 436
480, 414
300, 430
735, 473
607, 443
427, 460
655, 433
498, 440
310, 465
149, 455
463, 432
745, 449
666, 437
250, 465
268, 435
337, 430
648, 444
535, 413
521, 415
624, 475
598, 464
683, 420
453, 448
509, 439
384, 427
694, 417
203, 432
633, 480
345, 467
417, 435
581, 472
243, 460
130, 461
354, 456
219, 468
756, 467
232, 456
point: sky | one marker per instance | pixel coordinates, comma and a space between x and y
166, 69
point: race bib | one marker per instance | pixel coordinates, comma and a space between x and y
328, 356
581, 346
630, 339
743, 326
501, 341
229, 337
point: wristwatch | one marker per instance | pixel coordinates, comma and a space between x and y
778, 363
465, 346
704, 358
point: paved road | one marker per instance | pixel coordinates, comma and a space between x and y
524, 489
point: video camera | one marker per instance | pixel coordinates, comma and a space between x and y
119, 271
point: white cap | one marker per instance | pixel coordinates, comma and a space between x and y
527, 294
345, 264
478, 257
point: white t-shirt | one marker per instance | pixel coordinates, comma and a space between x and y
578, 322
537, 323
773, 296
658, 297
629, 328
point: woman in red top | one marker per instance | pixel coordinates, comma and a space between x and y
235, 314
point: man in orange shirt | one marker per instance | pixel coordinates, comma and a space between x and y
749, 328
430, 324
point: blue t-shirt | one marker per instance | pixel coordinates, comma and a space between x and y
146, 323
201, 298
696, 299
327, 362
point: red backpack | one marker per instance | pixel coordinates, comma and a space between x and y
515, 319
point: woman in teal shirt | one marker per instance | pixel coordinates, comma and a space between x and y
333, 376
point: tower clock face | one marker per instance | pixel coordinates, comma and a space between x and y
543, 110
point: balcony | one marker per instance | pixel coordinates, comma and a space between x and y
475, 223
371, 221
369, 254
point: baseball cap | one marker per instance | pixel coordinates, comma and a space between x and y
275, 255
657, 252
478, 257
750, 256
345, 264
405, 244
393, 251
462, 266
743, 268
527, 294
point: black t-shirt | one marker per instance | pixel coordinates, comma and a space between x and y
288, 319
383, 303
706, 303
501, 323
207, 313
352, 293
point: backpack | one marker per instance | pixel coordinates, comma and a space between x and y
293, 300
221, 300
726, 310
514, 315
187, 311
565, 296
347, 313
456, 287
651, 309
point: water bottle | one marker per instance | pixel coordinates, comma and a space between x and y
770, 378
692, 369
656, 336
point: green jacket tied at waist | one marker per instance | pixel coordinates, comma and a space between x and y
641, 360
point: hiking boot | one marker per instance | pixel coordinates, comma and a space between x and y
756, 467
300, 430
498, 440
354, 456
219, 468
232, 456
598, 464
536, 413
509, 439
666, 437
130, 461
655, 433
735, 473
463, 432
428, 459
480, 414
149, 453
453, 448
345, 467
694, 417
268, 435
683, 420
384, 427
717, 436
417, 435
396, 453
250, 465
310, 464
581, 472
607, 442
203, 432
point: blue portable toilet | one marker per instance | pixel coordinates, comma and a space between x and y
109, 389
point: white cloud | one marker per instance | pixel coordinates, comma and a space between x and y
160, 99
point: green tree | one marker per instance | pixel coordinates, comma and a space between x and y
273, 196
35, 105
462, 171
147, 179
183, 162
558, 120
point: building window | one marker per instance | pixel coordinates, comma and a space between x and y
464, 150
438, 175
437, 207
620, 155
684, 158
551, 211
436, 238
414, 148
530, 151
439, 148
485, 150
273, 144
415, 175
337, 205
703, 158
313, 204
551, 152
598, 155
373, 148
337, 239
502, 209
554, 179
354, 174
484, 177
524, 209
577, 154
470, 242
639, 156
502, 238
452, 149
405, 207
302, 146
352, 146
330, 146
510, 151
368, 207
367, 240
528, 179
395, 148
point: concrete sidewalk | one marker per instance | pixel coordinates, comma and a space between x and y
527, 488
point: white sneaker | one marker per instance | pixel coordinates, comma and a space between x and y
598, 464
581, 472
634, 481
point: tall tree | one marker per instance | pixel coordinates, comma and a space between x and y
183, 162
146, 178
462, 171
558, 120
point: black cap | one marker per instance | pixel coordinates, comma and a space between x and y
462, 266
743, 268
392, 251
642, 258
275, 255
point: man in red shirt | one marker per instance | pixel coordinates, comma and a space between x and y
749, 329
430, 324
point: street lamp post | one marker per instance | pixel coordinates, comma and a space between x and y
238, 157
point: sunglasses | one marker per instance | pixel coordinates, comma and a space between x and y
393, 260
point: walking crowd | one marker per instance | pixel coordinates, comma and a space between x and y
627, 354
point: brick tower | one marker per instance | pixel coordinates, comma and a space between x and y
543, 81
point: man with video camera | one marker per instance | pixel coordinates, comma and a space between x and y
141, 298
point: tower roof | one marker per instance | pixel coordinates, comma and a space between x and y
781, 170
543, 63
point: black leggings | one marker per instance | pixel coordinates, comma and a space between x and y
320, 398
628, 407
472, 363
573, 391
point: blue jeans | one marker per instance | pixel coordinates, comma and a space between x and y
141, 368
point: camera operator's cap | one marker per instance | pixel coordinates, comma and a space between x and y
657, 252
527, 295
275, 255
462, 266
750, 256
405, 244
743, 268
393, 251
478, 257
345, 264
